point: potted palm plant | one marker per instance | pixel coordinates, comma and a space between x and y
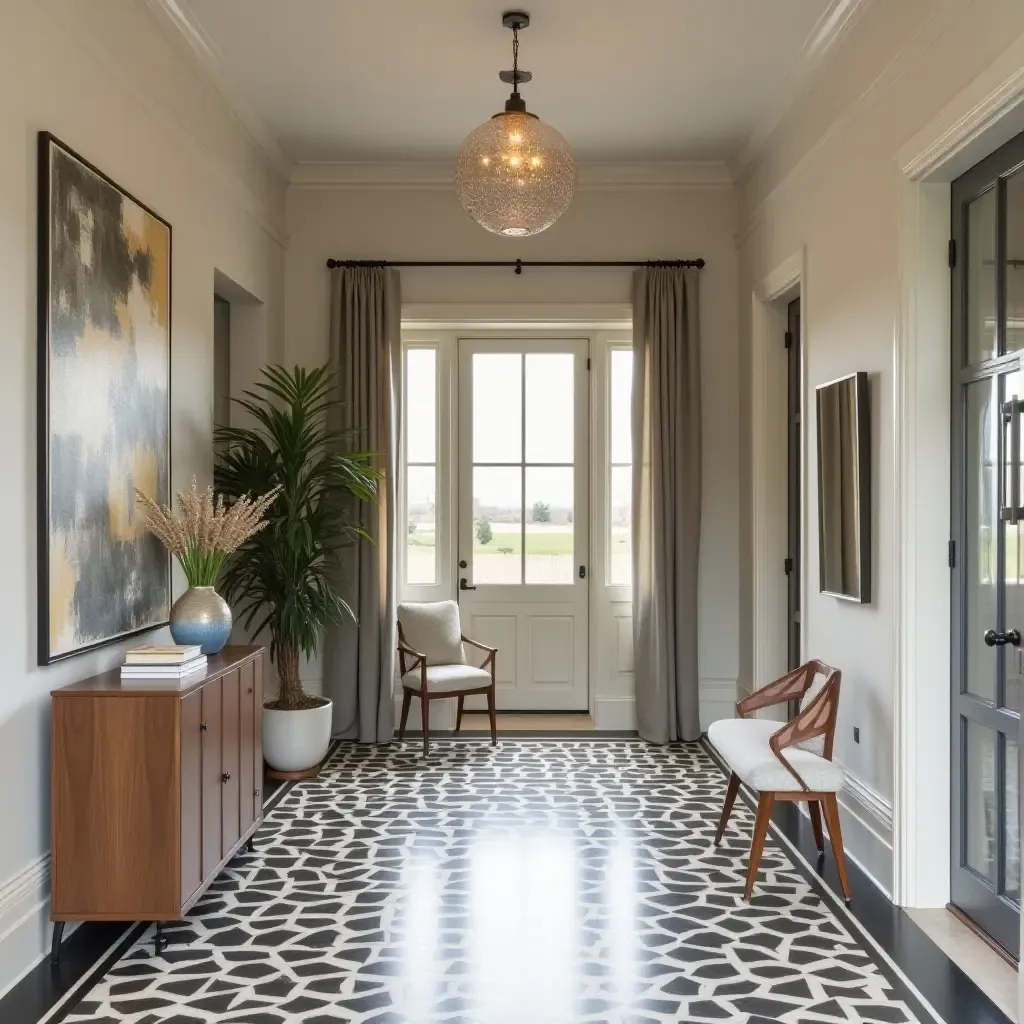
287, 578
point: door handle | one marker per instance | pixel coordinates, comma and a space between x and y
464, 584
994, 639
1010, 512
226, 777
202, 727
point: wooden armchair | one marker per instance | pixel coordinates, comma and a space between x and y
790, 762
433, 663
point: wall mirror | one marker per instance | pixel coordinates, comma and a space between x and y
844, 488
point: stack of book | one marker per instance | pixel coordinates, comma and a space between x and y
162, 666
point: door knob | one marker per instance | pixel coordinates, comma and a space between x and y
463, 564
226, 777
994, 639
464, 584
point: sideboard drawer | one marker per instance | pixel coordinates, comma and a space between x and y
247, 746
212, 771
191, 793
230, 830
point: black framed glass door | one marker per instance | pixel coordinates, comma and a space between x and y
988, 533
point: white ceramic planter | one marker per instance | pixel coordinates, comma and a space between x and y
296, 740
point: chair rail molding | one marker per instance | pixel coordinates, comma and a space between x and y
978, 120
768, 466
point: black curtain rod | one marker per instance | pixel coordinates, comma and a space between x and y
516, 264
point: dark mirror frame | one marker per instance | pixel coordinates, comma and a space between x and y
862, 512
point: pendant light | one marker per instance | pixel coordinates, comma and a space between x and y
515, 174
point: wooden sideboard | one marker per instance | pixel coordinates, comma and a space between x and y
153, 790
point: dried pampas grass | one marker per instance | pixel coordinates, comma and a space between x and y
206, 531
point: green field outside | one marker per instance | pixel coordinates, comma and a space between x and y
536, 543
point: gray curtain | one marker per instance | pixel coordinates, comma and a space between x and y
666, 502
365, 347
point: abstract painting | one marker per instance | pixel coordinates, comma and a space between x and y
104, 406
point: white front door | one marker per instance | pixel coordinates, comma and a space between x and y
523, 527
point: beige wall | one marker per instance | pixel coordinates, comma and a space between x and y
620, 224
102, 78
828, 181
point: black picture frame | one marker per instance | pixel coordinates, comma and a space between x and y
47, 145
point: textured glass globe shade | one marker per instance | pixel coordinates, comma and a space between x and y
515, 175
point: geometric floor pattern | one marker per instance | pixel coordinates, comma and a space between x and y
536, 882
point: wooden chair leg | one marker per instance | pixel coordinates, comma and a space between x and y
819, 839
425, 715
458, 717
730, 799
406, 702
830, 807
492, 715
764, 813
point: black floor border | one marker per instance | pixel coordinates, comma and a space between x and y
910, 960
48, 993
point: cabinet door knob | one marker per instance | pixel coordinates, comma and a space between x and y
226, 776
202, 727
249, 690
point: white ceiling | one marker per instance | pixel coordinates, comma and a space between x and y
623, 80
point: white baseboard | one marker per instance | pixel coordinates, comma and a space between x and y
24, 922
615, 714
717, 701
867, 820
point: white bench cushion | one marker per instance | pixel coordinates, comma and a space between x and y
743, 744
449, 677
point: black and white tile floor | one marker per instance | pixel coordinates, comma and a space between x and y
536, 882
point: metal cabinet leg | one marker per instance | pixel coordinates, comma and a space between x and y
55, 941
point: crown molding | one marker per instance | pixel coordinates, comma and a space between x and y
796, 177
192, 39
829, 31
434, 175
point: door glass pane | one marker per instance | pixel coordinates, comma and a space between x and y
549, 407
497, 524
621, 384
420, 546
981, 278
979, 804
1015, 262
981, 519
497, 407
1011, 826
549, 525
620, 571
420, 404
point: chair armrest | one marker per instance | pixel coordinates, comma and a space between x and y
476, 643
491, 651
817, 719
417, 659
790, 687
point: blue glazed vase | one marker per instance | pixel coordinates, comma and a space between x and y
201, 616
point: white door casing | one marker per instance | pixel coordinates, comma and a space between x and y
523, 466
